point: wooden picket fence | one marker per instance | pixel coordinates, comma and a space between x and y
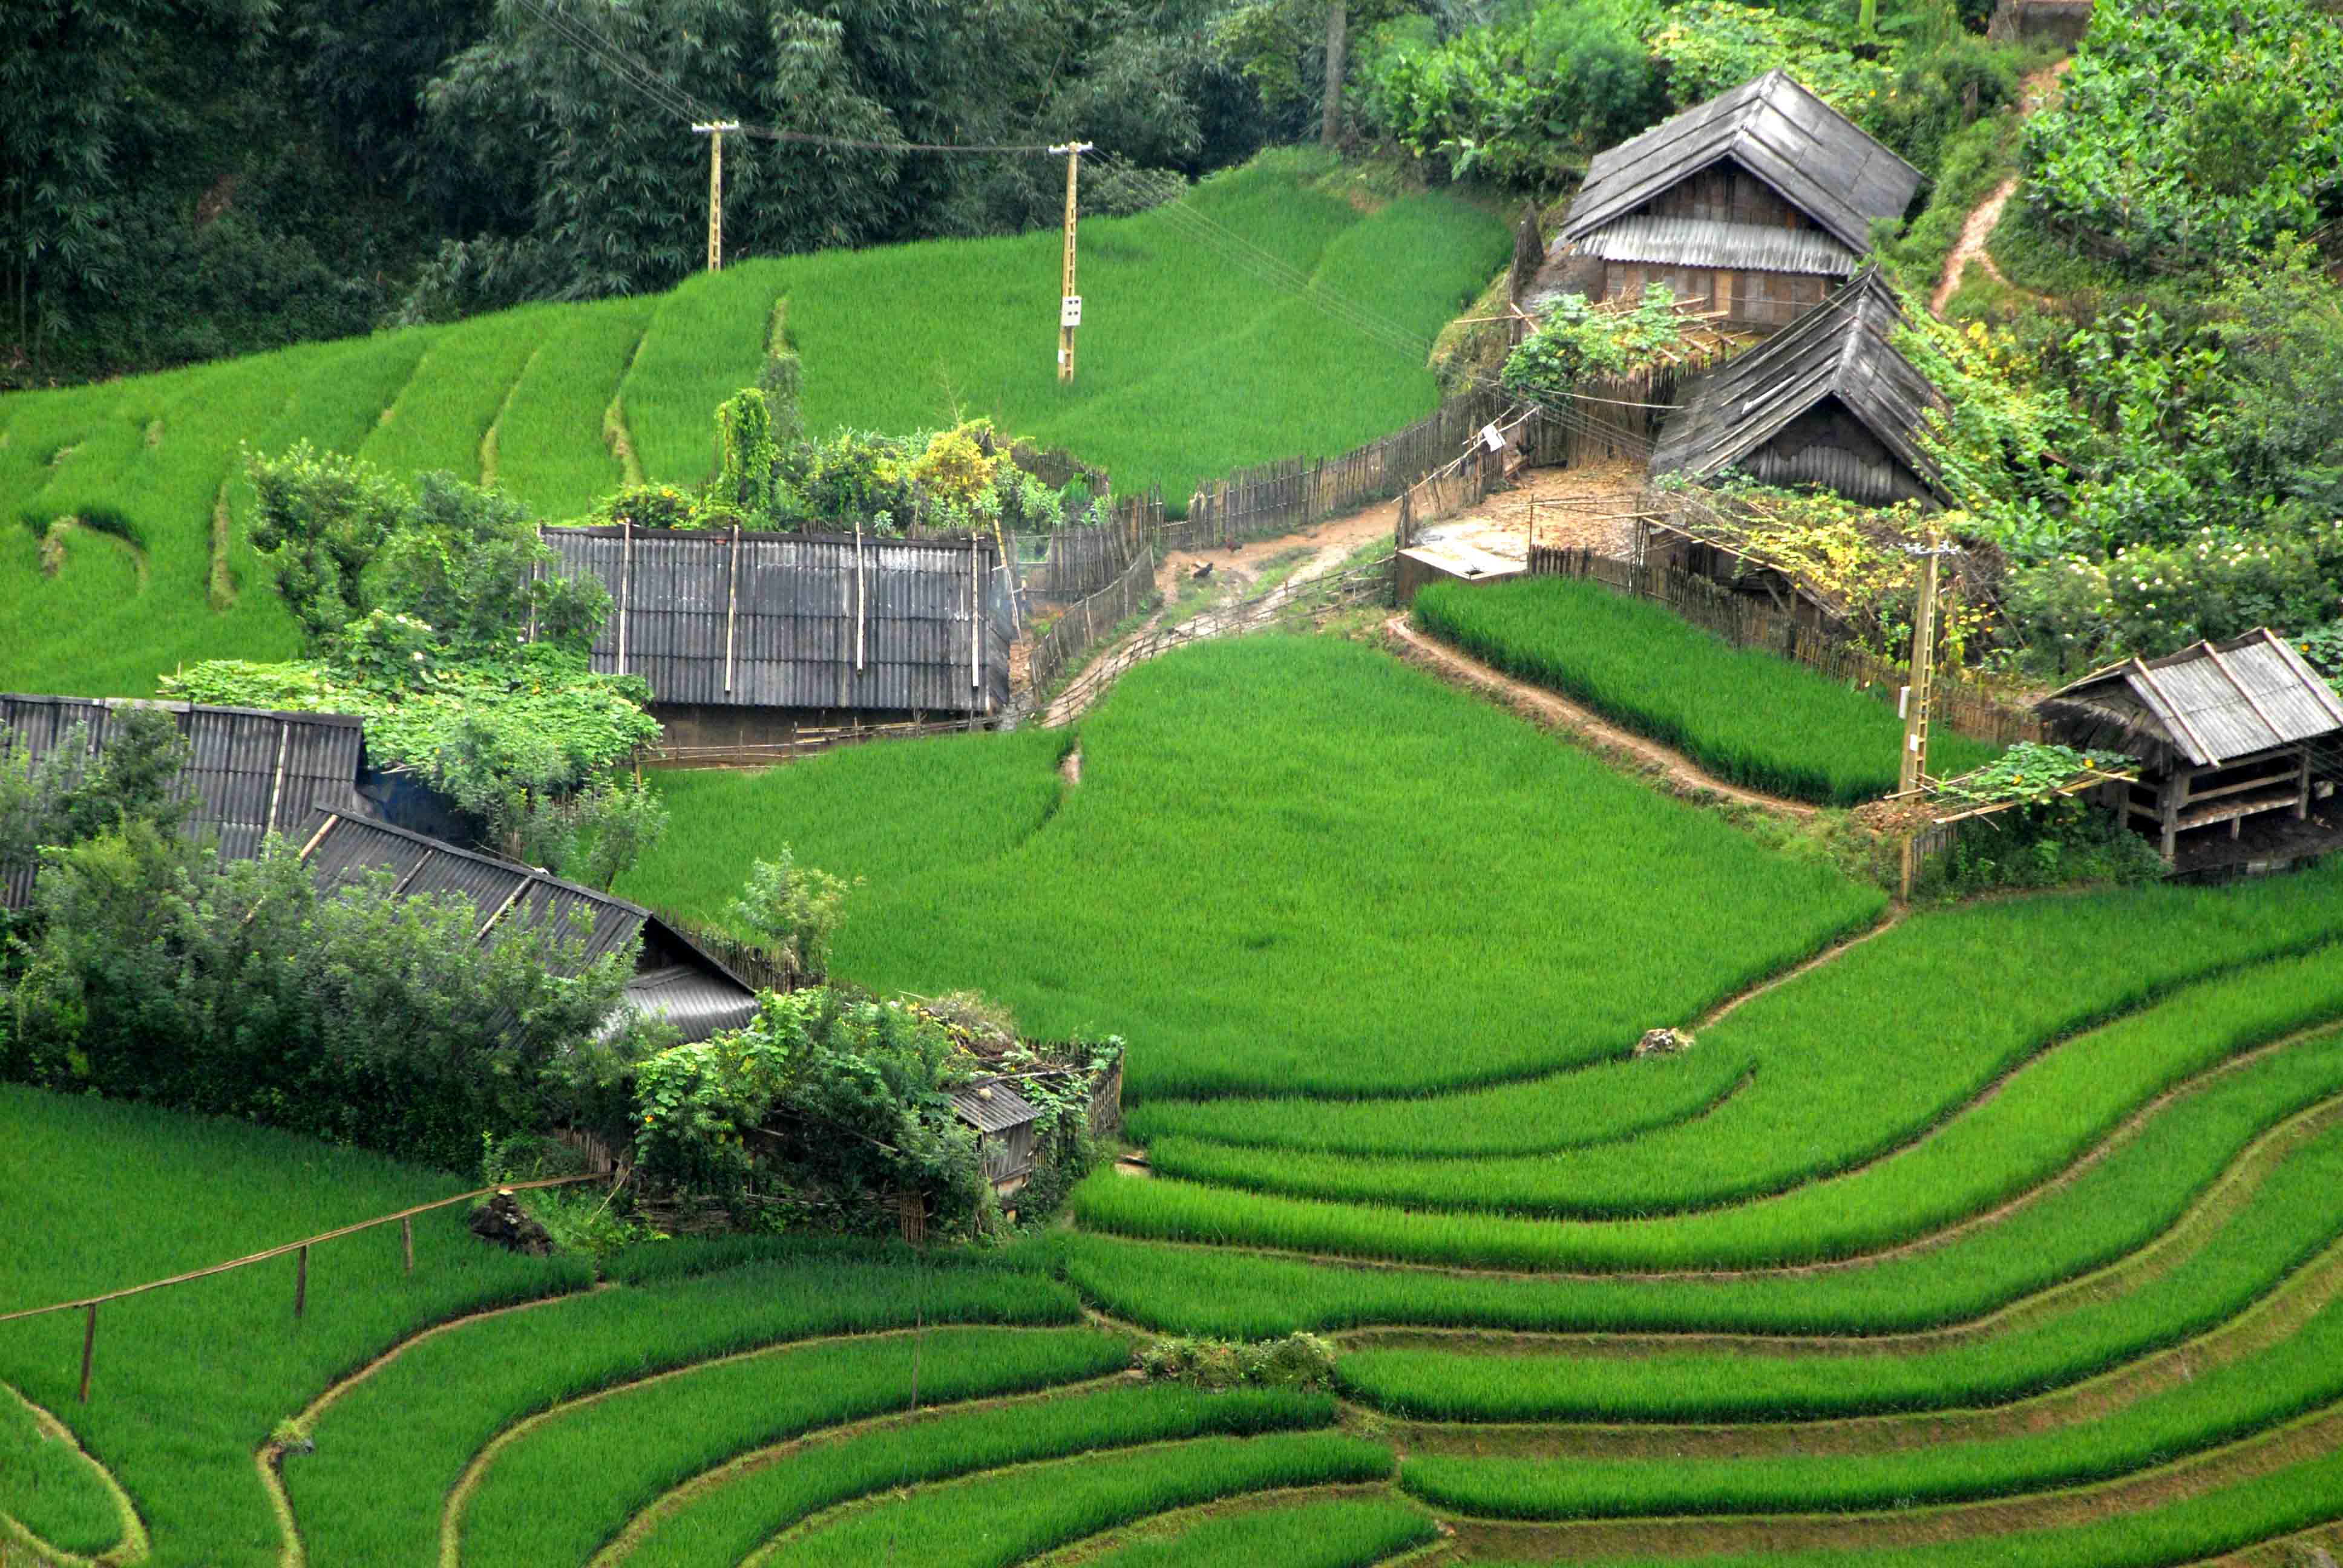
1085, 622
1071, 563
811, 739
1749, 622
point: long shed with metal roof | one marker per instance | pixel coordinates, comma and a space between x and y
1756, 204
743, 636
1830, 402
2223, 731
675, 979
250, 772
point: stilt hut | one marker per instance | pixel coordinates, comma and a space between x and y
746, 637
2223, 732
1008, 1131
1830, 402
1756, 204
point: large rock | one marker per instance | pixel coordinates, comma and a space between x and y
503, 1221
1664, 1042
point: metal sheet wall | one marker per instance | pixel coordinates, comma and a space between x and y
809, 624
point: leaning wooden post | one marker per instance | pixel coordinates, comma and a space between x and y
1907, 879
407, 1240
88, 1349
301, 1283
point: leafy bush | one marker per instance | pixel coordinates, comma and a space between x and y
1521, 100
2209, 128
793, 910
159, 973
1299, 1361
1578, 342
2153, 600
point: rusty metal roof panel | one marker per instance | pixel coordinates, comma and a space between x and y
1712, 242
990, 1105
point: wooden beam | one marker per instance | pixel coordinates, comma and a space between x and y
732, 604
277, 790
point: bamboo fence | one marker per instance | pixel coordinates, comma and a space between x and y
1055, 650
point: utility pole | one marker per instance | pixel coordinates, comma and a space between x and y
714, 135
1913, 767
1069, 303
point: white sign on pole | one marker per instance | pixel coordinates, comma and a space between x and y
1070, 310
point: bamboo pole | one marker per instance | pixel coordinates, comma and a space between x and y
301, 1283
88, 1349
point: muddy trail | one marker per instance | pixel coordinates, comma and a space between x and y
2040, 88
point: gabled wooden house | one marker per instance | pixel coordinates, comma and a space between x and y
250, 772
2222, 732
675, 979
745, 637
1830, 402
1756, 204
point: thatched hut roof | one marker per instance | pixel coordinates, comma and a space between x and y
2204, 706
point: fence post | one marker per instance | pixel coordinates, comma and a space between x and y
407, 1241
88, 1349
301, 1283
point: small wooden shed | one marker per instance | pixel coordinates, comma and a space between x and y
1008, 1130
2222, 732
1756, 204
1830, 402
744, 636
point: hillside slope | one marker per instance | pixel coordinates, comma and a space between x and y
128, 555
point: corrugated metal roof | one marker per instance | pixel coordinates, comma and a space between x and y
252, 771
990, 1105
2216, 702
342, 849
1711, 242
1844, 350
801, 620
1820, 160
696, 1004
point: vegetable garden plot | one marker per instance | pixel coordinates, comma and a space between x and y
1742, 713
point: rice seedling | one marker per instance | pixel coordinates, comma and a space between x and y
457, 389
49, 1489
2044, 1116
1209, 848
1744, 714
956, 802
1347, 1533
901, 338
2138, 1194
189, 1380
2225, 1405
724, 1523
552, 451
2269, 1507
1856, 1057
388, 1452
990, 1522
640, 1443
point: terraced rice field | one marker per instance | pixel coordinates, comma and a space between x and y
123, 510
2001, 1234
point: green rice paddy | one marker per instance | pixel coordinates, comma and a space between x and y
123, 512
2007, 1235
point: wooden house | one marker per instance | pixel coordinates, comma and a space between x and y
745, 637
1756, 204
675, 979
2222, 732
1008, 1130
1830, 402
250, 772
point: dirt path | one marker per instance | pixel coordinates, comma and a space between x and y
1541, 706
2039, 89
133, 1545
1332, 543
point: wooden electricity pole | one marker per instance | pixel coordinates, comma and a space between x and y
1069, 303
714, 135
